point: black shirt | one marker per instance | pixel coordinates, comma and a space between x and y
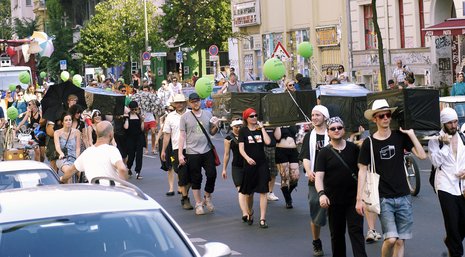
253, 143
339, 184
305, 151
288, 131
389, 163
238, 160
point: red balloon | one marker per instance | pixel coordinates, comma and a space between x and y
209, 104
10, 51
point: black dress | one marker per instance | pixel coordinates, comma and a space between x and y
256, 177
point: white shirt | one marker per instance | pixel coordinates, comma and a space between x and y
165, 96
149, 117
99, 161
445, 179
171, 126
176, 88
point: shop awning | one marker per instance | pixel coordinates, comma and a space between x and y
449, 27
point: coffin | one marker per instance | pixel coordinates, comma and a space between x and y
106, 102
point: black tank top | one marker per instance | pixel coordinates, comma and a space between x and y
33, 120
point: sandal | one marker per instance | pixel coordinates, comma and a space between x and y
250, 219
138, 176
263, 224
244, 218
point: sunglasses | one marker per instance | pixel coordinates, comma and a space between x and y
253, 116
290, 85
123, 91
20, 94
387, 115
336, 128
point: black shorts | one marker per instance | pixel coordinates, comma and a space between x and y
165, 165
284, 155
183, 174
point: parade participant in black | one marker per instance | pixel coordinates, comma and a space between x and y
252, 138
33, 119
134, 125
336, 183
231, 143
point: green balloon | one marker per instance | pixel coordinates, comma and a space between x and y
77, 80
274, 69
71, 73
64, 76
204, 87
12, 87
43, 74
305, 49
12, 113
24, 77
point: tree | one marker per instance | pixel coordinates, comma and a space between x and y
25, 27
59, 29
379, 37
5, 19
197, 24
116, 32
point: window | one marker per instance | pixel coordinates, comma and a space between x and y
422, 22
401, 23
28, 2
370, 36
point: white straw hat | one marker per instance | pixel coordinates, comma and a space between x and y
379, 105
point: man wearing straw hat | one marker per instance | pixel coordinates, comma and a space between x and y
388, 149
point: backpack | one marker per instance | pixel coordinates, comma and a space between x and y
433, 169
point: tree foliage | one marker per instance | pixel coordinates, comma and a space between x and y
60, 30
117, 32
25, 27
6, 30
197, 24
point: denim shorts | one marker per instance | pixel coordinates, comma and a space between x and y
396, 217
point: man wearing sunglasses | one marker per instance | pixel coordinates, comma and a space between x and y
394, 194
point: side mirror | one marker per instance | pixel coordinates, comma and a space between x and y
216, 249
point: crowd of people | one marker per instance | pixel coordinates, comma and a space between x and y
85, 144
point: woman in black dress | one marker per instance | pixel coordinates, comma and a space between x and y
252, 138
231, 143
134, 125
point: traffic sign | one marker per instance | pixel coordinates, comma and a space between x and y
280, 52
213, 50
158, 54
63, 65
214, 58
146, 62
146, 56
179, 57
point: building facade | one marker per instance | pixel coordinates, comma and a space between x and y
22, 9
265, 24
403, 23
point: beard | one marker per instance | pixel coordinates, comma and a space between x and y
450, 131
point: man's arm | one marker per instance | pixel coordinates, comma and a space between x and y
417, 147
362, 174
122, 170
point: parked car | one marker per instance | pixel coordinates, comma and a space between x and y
23, 174
90, 220
259, 86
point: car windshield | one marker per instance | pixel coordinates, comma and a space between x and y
258, 86
26, 178
123, 234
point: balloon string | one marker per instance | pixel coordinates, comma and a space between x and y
298, 106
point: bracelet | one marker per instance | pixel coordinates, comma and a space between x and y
321, 192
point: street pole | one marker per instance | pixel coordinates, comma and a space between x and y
146, 37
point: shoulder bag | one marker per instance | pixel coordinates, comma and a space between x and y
370, 189
217, 158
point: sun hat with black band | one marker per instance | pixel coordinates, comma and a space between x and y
379, 105
179, 98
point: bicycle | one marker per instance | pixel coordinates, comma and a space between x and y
412, 173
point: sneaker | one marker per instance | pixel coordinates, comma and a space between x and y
372, 236
271, 197
208, 203
186, 204
199, 209
318, 248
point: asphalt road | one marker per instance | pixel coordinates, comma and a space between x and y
289, 231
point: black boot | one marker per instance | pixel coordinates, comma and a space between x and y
287, 197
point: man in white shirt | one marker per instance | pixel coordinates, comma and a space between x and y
250, 76
101, 159
447, 154
171, 131
175, 86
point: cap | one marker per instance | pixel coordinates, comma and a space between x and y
133, 104
194, 96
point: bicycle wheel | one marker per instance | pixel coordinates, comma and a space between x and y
412, 173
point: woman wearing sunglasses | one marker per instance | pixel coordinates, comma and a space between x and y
252, 138
33, 118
